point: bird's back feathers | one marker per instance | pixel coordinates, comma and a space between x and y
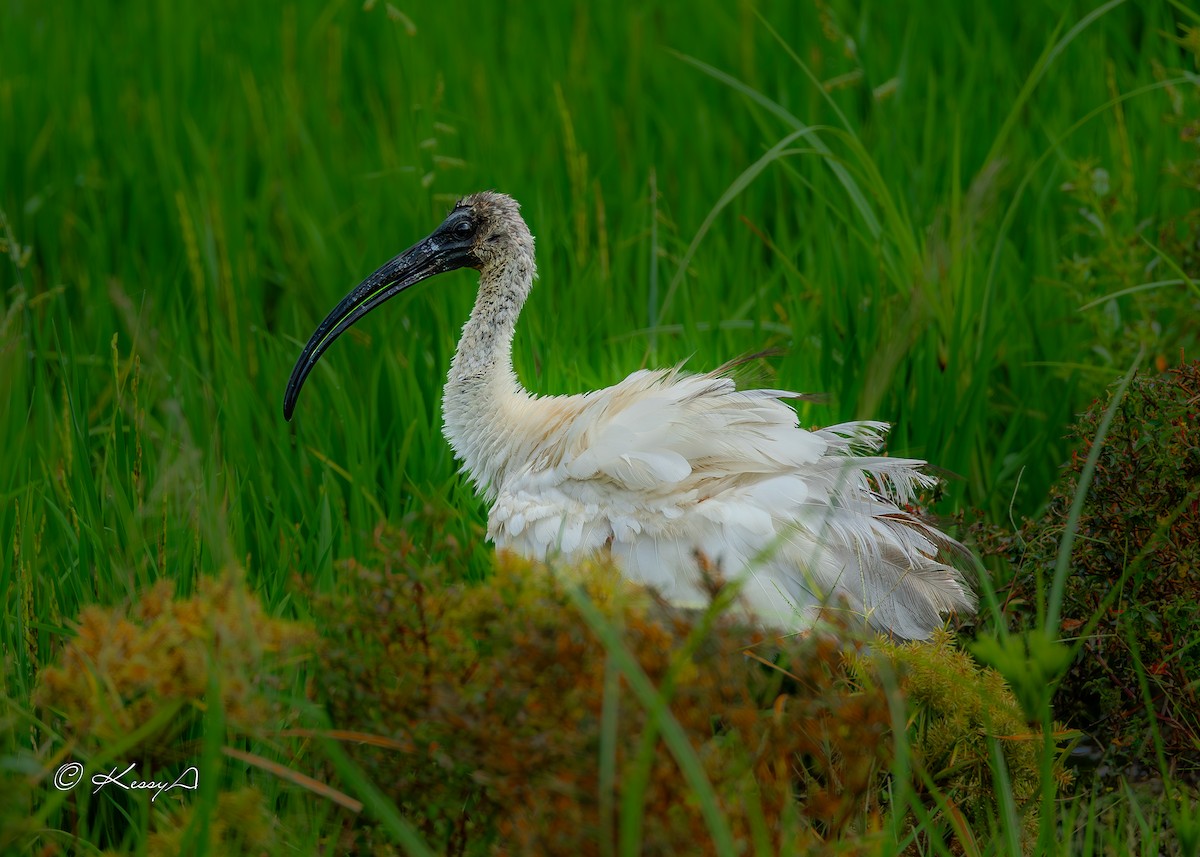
676, 473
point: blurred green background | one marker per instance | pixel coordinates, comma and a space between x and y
188, 188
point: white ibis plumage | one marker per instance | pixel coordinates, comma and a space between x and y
673, 474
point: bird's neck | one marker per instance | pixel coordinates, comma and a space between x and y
482, 392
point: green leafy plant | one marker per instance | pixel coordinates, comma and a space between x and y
125, 668
1134, 573
159, 684
493, 715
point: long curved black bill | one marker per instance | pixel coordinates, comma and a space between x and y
415, 264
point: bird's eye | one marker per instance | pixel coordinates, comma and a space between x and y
463, 229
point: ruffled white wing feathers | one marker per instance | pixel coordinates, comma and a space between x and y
665, 468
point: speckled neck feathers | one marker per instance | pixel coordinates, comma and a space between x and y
482, 387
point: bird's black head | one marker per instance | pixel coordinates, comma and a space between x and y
479, 231
453, 243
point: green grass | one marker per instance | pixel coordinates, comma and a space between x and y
875, 188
